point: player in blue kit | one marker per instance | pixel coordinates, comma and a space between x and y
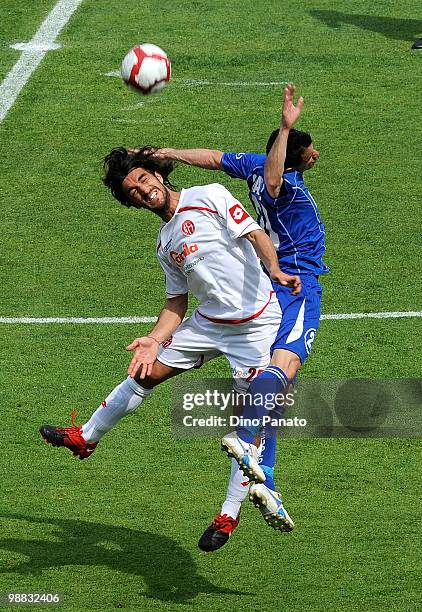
289, 214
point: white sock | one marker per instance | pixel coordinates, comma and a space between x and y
124, 399
237, 490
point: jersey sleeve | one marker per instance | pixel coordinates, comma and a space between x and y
241, 165
231, 212
176, 283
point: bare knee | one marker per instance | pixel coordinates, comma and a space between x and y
160, 372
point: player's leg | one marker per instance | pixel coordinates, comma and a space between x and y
291, 347
82, 440
248, 350
289, 363
125, 399
227, 519
185, 351
300, 314
295, 334
237, 491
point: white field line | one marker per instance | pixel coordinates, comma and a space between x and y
371, 315
201, 83
33, 53
124, 320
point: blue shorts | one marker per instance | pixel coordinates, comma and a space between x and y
301, 314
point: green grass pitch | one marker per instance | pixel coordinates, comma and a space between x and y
121, 530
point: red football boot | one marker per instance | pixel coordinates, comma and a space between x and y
70, 437
217, 534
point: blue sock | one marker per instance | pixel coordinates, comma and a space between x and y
259, 400
268, 457
269, 442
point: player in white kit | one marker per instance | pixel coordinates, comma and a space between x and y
209, 245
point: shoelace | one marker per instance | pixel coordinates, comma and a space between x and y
73, 425
222, 521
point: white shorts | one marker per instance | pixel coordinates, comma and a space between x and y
245, 345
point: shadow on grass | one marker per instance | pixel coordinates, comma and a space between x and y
399, 29
169, 571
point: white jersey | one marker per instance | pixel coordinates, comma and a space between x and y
201, 250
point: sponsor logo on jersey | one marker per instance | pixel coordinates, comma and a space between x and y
188, 249
188, 227
191, 265
104, 404
167, 342
238, 214
309, 339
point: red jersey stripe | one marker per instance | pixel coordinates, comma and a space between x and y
215, 212
238, 321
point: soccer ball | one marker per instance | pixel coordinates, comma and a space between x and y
146, 68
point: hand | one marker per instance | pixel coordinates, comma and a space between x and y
162, 153
287, 280
146, 350
290, 113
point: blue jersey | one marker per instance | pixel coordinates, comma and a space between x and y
292, 220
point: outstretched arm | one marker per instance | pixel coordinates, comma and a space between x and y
146, 347
202, 158
265, 250
274, 164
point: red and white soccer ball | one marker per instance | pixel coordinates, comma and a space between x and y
146, 68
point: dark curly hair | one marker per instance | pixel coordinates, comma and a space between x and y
120, 161
297, 142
